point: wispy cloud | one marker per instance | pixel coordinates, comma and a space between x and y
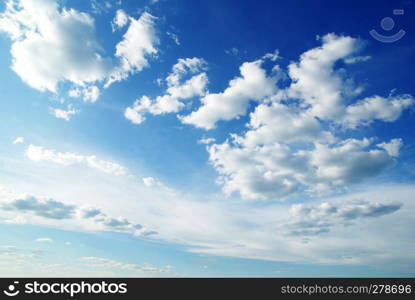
38, 153
44, 240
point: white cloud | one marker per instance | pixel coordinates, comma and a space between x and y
18, 140
348, 162
253, 84
280, 123
44, 240
66, 35
50, 209
327, 91
64, 114
149, 181
74, 54
138, 43
109, 223
317, 83
208, 225
37, 153
175, 92
46, 208
357, 59
273, 56
120, 20
393, 147
185, 66
257, 173
374, 108
276, 170
89, 94
293, 142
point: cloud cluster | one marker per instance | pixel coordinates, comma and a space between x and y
46, 208
53, 44
66, 35
64, 114
252, 84
112, 224
88, 94
151, 182
294, 138
56, 210
272, 171
176, 92
38, 153
310, 220
120, 20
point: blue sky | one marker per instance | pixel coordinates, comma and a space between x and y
209, 138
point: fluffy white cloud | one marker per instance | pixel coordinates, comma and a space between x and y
120, 19
374, 108
53, 44
51, 209
64, 114
348, 162
253, 84
89, 94
293, 142
317, 83
327, 90
209, 225
183, 67
256, 173
175, 92
276, 170
280, 123
38, 153
46, 208
109, 223
66, 36
18, 140
393, 147
138, 43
